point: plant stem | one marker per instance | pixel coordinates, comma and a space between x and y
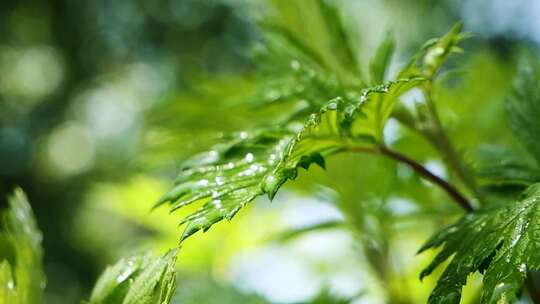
418, 168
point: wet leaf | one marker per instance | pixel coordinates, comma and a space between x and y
503, 241
21, 276
339, 115
139, 279
249, 164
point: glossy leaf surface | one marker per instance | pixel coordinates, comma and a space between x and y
502, 242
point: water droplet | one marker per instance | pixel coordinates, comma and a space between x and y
217, 204
202, 182
295, 65
247, 172
523, 268
124, 275
10, 285
249, 157
219, 180
272, 95
243, 135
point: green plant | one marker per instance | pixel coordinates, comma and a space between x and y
339, 110
334, 107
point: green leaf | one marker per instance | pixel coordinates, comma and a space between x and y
339, 115
438, 53
21, 276
434, 54
249, 164
137, 280
376, 106
523, 107
497, 167
336, 29
300, 231
378, 66
502, 241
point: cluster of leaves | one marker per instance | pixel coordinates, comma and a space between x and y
337, 110
342, 113
136, 280
503, 240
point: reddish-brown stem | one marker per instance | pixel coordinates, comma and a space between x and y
425, 173
418, 168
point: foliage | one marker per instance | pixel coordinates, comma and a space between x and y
336, 113
138, 279
21, 276
500, 241
316, 96
249, 164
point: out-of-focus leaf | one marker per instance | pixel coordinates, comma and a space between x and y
197, 290
336, 29
137, 280
502, 242
500, 168
300, 231
326, 297
21, 276
523, 107
378, 66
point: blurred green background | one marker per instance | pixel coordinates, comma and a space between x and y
100, 101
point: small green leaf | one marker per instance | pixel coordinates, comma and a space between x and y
137, 280
21, 276
434, 54
502, 240
437, 54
